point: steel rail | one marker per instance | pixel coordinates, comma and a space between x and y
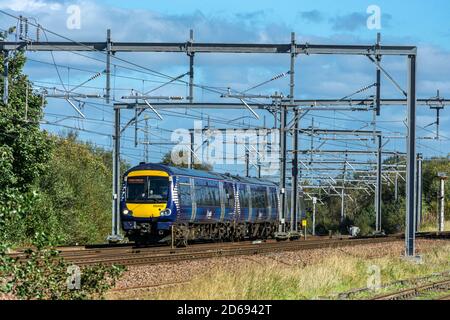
416, 291
175, 256
149, 286
403, 282
131, 251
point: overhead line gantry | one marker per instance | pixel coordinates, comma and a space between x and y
373, 52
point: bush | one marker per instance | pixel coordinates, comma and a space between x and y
22, 214
365, 220
45, 275
71, 201
77, 187
393, 216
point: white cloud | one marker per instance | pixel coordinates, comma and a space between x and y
316, 76
29, 6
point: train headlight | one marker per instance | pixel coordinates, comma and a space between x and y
166, 212
126, 211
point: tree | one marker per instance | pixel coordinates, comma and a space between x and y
167, 160
24, 150
77, 187
431, 187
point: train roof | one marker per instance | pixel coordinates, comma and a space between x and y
172, 170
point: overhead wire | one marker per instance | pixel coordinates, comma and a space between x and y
162, 75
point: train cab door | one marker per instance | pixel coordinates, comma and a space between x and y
269, 212
186, 196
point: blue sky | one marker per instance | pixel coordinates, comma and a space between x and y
403, 19
403, 22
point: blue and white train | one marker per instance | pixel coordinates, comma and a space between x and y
159, 202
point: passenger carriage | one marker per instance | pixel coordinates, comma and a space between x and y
159, 202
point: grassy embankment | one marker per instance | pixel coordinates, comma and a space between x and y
434, 227
333, 274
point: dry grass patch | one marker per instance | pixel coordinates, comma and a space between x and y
334, 273
434, 227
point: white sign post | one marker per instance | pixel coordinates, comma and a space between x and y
314, 201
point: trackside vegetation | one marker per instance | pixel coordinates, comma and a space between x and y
51, 184
53, 190
335, 273
360, 207
45, 275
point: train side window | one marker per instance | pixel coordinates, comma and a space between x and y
259, 197
254, 195
216, 192
265, 197
211, 196
229, 195
201, 196
207, 193
243, 196
273, 194
185, 194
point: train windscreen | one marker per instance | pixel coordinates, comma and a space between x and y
147, 189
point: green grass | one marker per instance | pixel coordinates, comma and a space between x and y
434, 295
433, 227
396, 287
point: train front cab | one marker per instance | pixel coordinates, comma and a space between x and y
147, 209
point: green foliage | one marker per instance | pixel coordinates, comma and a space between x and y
77, 186
393, 216
431, 189
365, 220
43, 274
24, 153
7, 177
47, 184
24, 214
361, 210
70, 200
25, 148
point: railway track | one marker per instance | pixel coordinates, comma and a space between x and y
126, 248
160, 255
130, 254
354, 293
149, 286
437, 286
